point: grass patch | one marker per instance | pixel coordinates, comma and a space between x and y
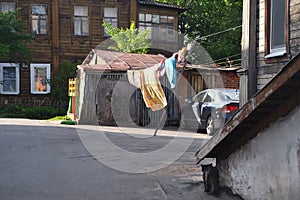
58, 118
42, 113
68, 122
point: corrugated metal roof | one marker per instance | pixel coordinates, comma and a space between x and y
112, 61
153, 3
282, 93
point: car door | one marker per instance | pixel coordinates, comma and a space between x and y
198, 101
206, 107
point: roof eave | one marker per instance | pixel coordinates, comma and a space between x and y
168, 6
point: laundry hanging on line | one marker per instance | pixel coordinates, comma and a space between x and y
153, 94
148, 80
171, 71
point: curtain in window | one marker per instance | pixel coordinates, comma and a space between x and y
81, 21
6, 6
40, 79
39, 19
9, 79
110, 12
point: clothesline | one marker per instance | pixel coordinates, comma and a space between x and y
148, 80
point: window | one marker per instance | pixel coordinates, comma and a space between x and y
9, 78
40, 78
81, 20
110, 16
7, 6
39, 19
161, 27
276, 28
199, 97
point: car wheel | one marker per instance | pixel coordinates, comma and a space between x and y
209, 126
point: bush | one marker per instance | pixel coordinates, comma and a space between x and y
30, 112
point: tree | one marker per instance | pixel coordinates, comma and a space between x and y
60, 79
13, 41
214, 24
128, 40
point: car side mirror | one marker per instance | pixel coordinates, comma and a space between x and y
188, 101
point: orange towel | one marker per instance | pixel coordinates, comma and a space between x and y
152, 91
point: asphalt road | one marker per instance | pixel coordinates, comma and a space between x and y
42, 160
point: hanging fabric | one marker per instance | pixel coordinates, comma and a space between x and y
153, 94
171, 71
134, 77
161, 70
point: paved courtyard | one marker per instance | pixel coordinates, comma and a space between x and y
45, 160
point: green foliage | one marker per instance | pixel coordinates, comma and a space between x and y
60, 80
57, 118
68, 122
30, 112
13, 41
207, 17
128, 40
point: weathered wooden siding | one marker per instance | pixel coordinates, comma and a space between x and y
87, 98
60, 44
294, 27
163, 45
119, 103
75, 48
267, 70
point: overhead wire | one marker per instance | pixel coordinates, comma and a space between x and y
224, 31
227, 57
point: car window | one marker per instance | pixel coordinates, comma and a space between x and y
231, 95
208, 97
199, 96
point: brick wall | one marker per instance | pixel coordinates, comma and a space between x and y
222, 79
182, 88
228, 80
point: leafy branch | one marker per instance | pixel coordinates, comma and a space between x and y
128, 40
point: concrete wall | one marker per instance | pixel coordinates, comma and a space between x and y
268, 166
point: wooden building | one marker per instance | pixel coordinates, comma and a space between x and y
270, 40
257, 152
107, 98
66, 30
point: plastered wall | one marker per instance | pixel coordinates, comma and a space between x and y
268, 166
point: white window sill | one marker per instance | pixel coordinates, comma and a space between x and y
276, 54
10, 93
40, 92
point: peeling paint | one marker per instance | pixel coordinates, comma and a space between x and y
265, 167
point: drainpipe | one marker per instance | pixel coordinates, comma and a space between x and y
55, 34
133, 11
248, 83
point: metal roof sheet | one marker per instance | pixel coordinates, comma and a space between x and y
101, 60
153, 3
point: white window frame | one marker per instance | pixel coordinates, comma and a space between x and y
81, 21
278, 50
32, 78
110, 17
17, 78
7, 6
